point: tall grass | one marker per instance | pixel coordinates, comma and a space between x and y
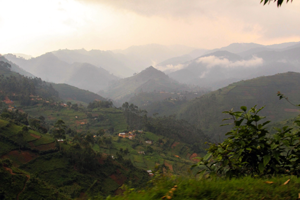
216, 188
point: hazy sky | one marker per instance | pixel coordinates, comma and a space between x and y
37, 26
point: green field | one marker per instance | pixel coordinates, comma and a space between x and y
179, 188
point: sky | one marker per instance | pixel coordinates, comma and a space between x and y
35, 27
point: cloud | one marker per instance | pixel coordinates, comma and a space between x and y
250, 15
170, 68
212, 61
155, 7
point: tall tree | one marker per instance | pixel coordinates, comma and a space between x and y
59, 130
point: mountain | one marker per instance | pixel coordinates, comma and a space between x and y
237, 48
148, 80
283, 46
210, 69
69, 93
288, 55
175, 63
206, 111
47, 66
220, 68
16, 68
50, 68
145, 55
21, 55
107, 60
26, 86
90, 77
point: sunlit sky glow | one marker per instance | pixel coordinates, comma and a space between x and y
37, 26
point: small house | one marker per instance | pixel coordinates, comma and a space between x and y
150, 172
148, 142
123, 135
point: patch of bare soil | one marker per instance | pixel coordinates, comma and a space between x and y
118, 178
46, 147
169, 165
22, 156
192, 157
35, 136
174, 144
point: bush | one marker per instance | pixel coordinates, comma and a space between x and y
250, 150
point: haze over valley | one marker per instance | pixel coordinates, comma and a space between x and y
116, 99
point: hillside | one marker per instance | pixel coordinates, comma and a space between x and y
15, 67
206, 111
52, 69
90, 77
168, 142
148, 80
72, 169
71, 93
17, 87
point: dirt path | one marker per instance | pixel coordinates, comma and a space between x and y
28, 177
12, 173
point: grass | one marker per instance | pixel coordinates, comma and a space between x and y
6, 147
3, 123
45, 139
235, 189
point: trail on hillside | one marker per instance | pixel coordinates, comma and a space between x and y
12, 173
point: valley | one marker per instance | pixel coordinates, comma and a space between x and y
93, 124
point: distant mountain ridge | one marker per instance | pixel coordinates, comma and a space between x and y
148, 80
51, 68
63, 91
217, 69
16, 68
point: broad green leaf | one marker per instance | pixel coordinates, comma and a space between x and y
267, 159
244, 108
273, 146
261, 167
207, 156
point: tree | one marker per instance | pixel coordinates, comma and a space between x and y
100, 133
75, 106
279, 2
20, 137
90, 138
249, 150
59, 130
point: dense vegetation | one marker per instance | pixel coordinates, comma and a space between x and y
170, 127
205, 111
70, 168
68, 150
71, 93
22, 88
